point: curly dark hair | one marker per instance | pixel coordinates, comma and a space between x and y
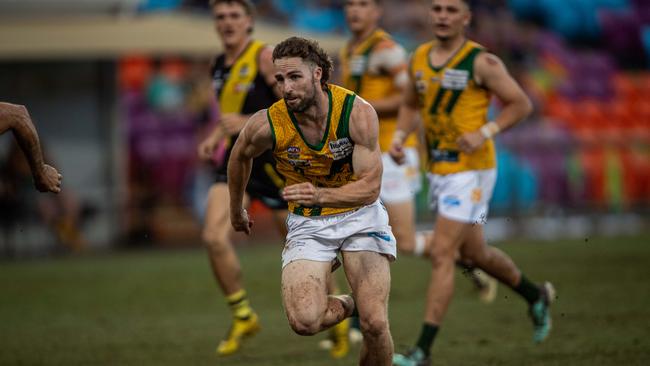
309, 51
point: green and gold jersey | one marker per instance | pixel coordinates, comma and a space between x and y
375, 83
451, 103
326, 164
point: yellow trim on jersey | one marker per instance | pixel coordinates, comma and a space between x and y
356, 77
327, 163
241, 78
451, 103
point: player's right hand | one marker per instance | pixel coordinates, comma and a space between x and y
48, 180
396, 152
240, 221
206, 148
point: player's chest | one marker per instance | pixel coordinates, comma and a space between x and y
242, 81
429, 82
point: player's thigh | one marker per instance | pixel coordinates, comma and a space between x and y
402, 220
217, 215
474, 245
369, 276
304, 288
448, 237
280, 220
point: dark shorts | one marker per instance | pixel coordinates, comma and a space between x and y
265, 183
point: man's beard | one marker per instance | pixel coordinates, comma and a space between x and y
305, 103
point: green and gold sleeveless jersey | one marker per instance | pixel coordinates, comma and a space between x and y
451, 103
326, 164
356, 77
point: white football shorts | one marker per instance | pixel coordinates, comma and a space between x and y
400, 183
321, 238
463, 196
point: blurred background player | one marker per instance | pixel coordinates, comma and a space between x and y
451, 82
325, 141
16, 118
244, 83
375, 67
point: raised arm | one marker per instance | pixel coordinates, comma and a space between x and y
491, 73
366, 162
16, 118
254, 139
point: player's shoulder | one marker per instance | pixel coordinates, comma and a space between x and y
423, 48
363, 114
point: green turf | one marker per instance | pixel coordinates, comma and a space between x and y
162, 308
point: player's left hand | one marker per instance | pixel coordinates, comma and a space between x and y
304, 194
241, 222
232, 123
470, 141
48, 179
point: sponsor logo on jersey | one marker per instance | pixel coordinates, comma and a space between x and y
358, 65
455, 79
300, 163
420, 85
243, 72
341, 148
293, 152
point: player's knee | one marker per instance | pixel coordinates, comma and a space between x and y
304, 326
214, 239
373, 325
442, 254
474, 257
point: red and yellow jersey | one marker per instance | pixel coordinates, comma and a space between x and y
369, 69
451, 103
326, 164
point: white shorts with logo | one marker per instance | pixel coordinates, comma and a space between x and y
400, 183
463, 196
321, 238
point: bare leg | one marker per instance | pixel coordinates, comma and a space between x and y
369, 277
402, 221
449, 235
217, 233
490, 259
304, 294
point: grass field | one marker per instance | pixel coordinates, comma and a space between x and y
162, 308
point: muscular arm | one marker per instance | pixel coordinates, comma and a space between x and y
16, 118
254, 139
366, 161
491, 73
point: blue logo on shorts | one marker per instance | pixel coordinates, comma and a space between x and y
380, 234
451, 201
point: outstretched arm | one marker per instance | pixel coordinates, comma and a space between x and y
254, 139
366, 162
16, 118
491, 73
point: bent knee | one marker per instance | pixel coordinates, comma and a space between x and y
304, 327
374, 325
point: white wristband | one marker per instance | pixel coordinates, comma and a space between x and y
399, 136
490, 129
